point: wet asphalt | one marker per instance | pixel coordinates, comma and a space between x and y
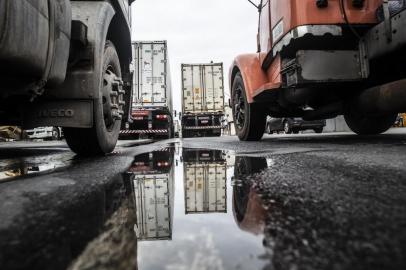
331, 201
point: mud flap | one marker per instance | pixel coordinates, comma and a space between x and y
70, 113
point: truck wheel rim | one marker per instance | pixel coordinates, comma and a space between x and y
112, 98
239, 107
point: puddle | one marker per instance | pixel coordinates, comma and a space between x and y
194, 213
15, 167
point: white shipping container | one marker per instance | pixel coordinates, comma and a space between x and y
202, 88
205, 187
152, 81
153, 196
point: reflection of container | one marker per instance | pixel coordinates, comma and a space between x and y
205, 182
152, 184
153, 206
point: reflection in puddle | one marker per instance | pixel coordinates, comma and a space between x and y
205, 175
196, 217
10, 168
151, 178
247, 205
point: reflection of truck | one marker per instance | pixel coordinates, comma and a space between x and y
151, 177
66, 63
151, 108
248, 207
320, 59
202, 99
45, 133
205, 176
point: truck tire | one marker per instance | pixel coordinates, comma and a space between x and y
217, 133
102, 137
318, 130
369, 124
249, 119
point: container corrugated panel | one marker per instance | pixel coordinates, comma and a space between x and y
153, 206
152, 83
202, 88
205, 188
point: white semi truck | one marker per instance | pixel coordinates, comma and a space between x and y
151, 111
66, 63
202, 99
205, 176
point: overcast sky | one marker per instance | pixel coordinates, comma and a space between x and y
197, 31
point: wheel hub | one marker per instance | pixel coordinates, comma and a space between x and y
112, 98
239, 108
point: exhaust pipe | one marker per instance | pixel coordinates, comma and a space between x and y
389, 98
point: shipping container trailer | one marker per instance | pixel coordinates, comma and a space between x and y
151, 111
205, 181
151, 180
202, 99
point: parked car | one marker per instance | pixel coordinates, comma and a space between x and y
293, 125
45, 133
